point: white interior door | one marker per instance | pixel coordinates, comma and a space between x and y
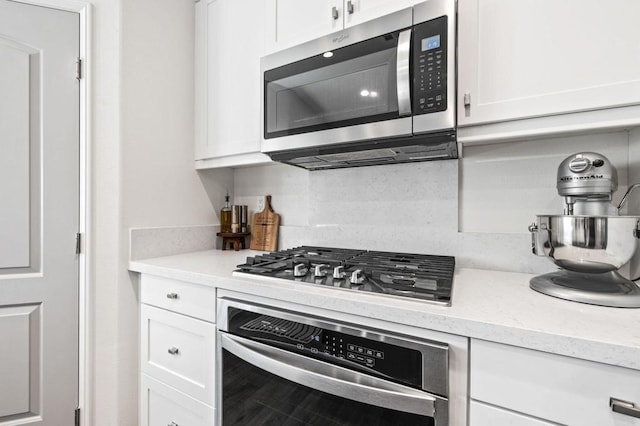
39, 214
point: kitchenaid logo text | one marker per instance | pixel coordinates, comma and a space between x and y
576, 178
340, 38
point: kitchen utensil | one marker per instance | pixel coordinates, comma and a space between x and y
264, 228
590, 242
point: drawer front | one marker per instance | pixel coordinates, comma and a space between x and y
178, 350
195, 300
484, 415
552, 387
162, 405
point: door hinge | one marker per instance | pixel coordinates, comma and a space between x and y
78, 69
78, 243
76, 418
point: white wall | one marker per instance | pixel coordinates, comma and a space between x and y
142, 174
477, 208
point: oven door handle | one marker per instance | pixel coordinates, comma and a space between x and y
330, 378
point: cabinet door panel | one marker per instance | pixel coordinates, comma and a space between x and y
366, 10
557, 388
534, 58
183, 297
162, 405
234, 47
291, 22
483, 415
178, 350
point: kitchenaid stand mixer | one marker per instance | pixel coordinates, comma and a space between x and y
590, 242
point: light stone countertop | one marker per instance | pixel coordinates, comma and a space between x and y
489, 305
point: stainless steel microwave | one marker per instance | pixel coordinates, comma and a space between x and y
376, 93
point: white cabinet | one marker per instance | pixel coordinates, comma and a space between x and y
163, 405
229, 44
516, 386
177, 352
291, 22
535, 58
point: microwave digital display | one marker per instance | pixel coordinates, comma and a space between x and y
431, 42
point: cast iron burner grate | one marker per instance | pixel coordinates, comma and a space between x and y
420, 276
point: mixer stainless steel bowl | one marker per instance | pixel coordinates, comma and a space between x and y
591, 244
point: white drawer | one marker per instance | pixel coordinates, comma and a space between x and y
552, 387
195, 300
179, 351
162, 405
487, 415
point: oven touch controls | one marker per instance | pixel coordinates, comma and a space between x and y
333, 345
363, 355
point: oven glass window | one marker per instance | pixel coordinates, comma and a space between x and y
352, 85
252, 396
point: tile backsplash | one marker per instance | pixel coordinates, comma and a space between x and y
476, 208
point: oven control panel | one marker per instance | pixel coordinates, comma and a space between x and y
430, 66
356, 350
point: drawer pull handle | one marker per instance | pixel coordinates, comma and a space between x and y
172, 424
173, 350
624, 407
172, 296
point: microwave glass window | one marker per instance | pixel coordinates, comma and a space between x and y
348, 89
431, 43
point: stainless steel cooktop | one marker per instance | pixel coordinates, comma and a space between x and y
419, 276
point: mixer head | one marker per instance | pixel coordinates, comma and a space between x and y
587, 177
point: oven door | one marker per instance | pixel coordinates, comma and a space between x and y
340, 88
263, 385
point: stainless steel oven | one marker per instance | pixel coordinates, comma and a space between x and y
375, 93
278, 367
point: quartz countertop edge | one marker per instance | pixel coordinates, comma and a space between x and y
489, 305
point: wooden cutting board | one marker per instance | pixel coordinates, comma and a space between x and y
264, 228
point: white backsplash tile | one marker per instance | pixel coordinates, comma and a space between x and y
504, 186
145, 243
494, 192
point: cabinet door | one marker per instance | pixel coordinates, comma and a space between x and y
357, 11
557, 388
230, 49
291, 22
482, 415
179, 351
162, 405
543, 57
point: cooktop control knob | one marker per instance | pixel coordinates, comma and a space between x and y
338, 273
357, 277
300, 270
320, 270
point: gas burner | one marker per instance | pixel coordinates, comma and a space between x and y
419, 276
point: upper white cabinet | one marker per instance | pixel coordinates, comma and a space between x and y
532, 58
229, 44
291, 22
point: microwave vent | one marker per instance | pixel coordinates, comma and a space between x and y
403, 150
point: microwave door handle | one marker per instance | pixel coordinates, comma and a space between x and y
330, 378
403, 73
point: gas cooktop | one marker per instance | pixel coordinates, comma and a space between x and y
419, 276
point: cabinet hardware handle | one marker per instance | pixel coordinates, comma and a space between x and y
350, 7
467, 99
624, 407
172, 296
334, 13
172, 424
173, 350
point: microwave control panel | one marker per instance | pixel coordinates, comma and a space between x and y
430, 66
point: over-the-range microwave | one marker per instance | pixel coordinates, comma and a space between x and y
379, 92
